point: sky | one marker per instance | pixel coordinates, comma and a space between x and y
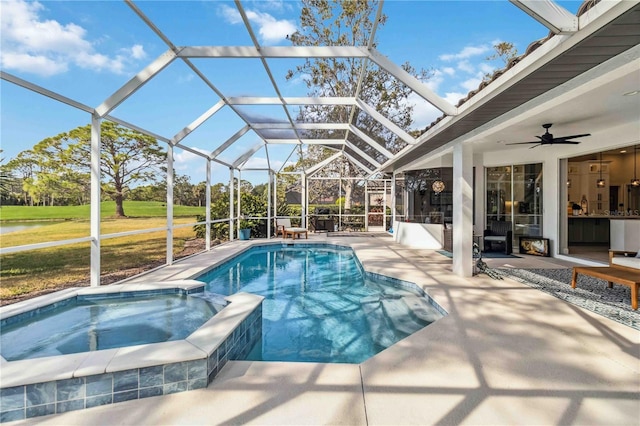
86, 50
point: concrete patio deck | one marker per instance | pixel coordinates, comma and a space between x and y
505, 354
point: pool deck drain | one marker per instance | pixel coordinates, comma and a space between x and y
505, 354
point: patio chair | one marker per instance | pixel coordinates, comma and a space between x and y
498, 232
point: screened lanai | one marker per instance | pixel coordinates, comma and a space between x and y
334, 155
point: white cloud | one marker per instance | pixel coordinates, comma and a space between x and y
137, 51
449, 71
423, 112
230, 14
466, 66
435, 80
271, 30
33, 44
472, 83
188, 161
38, 64
466, 53
256, 163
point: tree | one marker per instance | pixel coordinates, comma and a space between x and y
127, 157
59, 167
344, 23
6, 180
504, 51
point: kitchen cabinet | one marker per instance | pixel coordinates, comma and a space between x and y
583, 177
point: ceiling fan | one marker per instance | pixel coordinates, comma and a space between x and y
548, 139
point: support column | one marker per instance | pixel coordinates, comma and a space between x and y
366, 205
393, 200
231, 201
269, 205
305, 200
208, 207
239, 189
170, 205
463, 210
96, 145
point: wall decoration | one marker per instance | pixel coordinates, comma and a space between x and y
534, 245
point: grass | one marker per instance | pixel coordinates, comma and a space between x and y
35, 271
107, 210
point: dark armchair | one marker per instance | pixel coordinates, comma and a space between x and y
498, 233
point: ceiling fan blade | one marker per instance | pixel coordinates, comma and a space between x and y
521, 143
566, 142
564, 138
535, 146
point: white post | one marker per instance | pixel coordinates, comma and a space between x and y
239, 206
95, 200
269, 205
305, 200
366, 205
393, 200
170, 205
231, 213
275, 195
463, 210
208, 207
384, 205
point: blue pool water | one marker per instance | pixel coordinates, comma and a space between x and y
95, 323
319, 306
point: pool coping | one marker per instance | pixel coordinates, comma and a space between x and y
227, 325
199, 344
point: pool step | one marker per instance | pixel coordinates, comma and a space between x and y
422, 309
400, 316
381, 331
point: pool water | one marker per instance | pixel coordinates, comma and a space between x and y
95, 323
318, 306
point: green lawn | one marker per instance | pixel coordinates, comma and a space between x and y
107, 209
34, 271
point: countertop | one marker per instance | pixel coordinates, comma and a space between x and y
604, 216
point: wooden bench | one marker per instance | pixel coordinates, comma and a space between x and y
295, 231
611, 274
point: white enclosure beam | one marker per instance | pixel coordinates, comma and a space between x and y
357, 163
207, 212
253, 100
305, 141
550, 14
48, 93
244, 157
413, 83
197, 122
301, 126
96, 146
135, 83
397, 130
369, 140
231, 213
230, 141
362, 154
273, 52
169, 205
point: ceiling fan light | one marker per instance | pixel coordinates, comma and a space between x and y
635, 182
600, 183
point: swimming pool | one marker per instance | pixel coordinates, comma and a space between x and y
105, 321
320, 305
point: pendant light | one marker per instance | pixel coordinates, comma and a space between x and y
600, 182
635, 181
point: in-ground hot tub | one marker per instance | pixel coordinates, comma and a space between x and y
52, 384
